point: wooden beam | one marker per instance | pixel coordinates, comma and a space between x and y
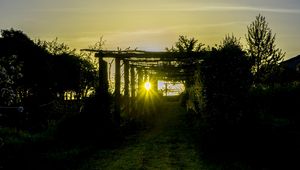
146, 54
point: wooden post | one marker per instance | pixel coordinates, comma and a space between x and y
117, 91
126, 85
166, 88
140, 79
103, 80
132, 84
132, 81
154, 82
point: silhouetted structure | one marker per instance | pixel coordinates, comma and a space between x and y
291, 70
292, 64
149, 66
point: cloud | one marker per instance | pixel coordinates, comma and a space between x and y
226, 8
249, 8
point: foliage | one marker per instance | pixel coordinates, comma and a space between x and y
72, 72
90, 56
34, 66
188, 48
223, 80
185, 44
262, 50
93, 124
279, 101
54, 47
10, 74
36, 75
48, 65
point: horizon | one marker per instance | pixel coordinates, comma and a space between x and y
150, 26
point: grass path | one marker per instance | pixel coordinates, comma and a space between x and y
166, 146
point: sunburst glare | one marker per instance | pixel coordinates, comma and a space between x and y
147, 86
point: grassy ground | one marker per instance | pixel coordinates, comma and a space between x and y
168, 145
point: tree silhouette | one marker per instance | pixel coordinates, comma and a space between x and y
34, 66
69, 71
262, 49
10, 74
187, 47
54, 47
47, 68
224, 78
185, 44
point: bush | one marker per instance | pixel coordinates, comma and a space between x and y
267, 103
93, 123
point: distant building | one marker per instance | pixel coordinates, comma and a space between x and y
292, 63
291, 69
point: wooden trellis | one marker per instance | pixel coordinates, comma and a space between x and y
160, 65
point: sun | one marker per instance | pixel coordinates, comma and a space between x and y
147, 85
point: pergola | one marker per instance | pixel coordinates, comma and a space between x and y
153, 66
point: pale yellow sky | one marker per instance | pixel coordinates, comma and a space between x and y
149, 25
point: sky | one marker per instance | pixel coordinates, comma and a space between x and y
150, 24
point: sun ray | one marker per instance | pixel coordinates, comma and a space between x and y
147, 86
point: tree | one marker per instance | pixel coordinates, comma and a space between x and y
47, 68
190, 49
10, 74
234, 67
185, 44
224, 80
54, 47
70, 72
262, 50
33, 59
221, 85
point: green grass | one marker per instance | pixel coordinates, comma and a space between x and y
168, 145
21, 149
